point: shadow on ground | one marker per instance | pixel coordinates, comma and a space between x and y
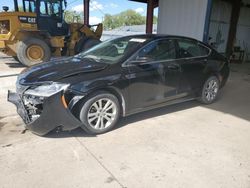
235, 96
15, 64
126, 121
233, 99
11, 62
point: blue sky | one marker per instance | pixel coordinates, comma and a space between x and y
99, 7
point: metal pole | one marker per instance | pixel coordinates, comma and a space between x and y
207, 21
150, 15
236, 5
24, 7
16, 6
86, 11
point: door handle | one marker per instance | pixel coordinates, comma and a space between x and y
205, 61
173, 67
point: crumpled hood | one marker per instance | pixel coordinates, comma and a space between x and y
58, 69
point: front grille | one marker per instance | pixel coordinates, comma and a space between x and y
4, 26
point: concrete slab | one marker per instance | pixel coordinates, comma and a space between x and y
46, 162
184, 145
192, 147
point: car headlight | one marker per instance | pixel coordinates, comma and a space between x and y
47, 89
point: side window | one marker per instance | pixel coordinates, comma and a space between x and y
43, 8
203, 50
32, 7
50, 8
56, 9
29, 6
158, 50
26, 6
21, 5
188, 48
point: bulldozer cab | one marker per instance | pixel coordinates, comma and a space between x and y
49, 15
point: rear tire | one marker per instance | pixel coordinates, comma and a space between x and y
210, 90
33, 51
100, 113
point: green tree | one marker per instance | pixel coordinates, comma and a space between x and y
155, 19
108, 21
128, 17
72, 16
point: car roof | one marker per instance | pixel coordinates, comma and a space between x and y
159, 36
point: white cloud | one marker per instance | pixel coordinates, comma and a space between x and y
139, 10
94, 5
94, 20
78, 8
113, 5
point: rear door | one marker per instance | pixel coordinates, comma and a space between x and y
192, 57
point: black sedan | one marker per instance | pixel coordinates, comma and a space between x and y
117, 78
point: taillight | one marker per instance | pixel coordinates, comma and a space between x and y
4, 27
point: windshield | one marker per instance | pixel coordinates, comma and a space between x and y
113, 51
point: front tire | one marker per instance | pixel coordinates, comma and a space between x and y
99, 113
210, 90
33, 51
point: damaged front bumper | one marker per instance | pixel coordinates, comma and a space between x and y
53, 114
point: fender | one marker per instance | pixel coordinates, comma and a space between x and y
87, 88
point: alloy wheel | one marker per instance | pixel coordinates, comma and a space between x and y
102, 113
211, 90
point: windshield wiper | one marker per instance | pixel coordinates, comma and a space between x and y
92, 57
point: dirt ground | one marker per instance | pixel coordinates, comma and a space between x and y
184, 145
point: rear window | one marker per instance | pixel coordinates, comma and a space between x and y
189, 48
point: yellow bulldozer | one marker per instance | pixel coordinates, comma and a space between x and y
36, 30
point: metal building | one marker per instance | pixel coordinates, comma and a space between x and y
223, 23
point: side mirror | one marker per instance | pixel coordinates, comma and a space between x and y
5, 8
140, 60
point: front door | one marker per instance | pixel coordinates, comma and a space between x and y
154, 75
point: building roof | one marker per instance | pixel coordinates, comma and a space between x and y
144, 1
126, 30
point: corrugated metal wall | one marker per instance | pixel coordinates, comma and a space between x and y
219, 26
182, 17
243, 31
